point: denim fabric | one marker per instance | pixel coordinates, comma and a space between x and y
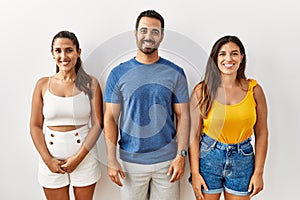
226, 166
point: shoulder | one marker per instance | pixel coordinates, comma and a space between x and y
252, 81
198, 90
258, 90
254, 84
126, 64
41, 86
171, 64
260, 100
123, 67
247, 84
258, 93
42, 82
94, 82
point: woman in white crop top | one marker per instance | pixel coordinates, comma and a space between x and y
66, 120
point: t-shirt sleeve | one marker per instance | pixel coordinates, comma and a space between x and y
112, 93
181, 93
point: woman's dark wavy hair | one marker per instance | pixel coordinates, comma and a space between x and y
212, 78
83, 81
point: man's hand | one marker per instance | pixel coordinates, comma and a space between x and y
176, 168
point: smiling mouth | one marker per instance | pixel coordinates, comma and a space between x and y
64, 62
148, 43
228, 65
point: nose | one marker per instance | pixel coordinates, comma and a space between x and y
63, 54
228, 57
148, 35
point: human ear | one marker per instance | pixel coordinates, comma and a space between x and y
79, 52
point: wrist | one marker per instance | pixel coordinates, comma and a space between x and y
195, 172
47, 158
182, 153
112, 160
258, 173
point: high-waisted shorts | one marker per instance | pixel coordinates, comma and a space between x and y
226, 167
62, 145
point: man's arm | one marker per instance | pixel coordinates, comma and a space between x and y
182, 133
111, 116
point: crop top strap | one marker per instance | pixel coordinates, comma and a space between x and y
252, 84
49, 81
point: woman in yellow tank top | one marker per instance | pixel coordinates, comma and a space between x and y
226, 110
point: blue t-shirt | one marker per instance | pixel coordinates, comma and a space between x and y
147, 93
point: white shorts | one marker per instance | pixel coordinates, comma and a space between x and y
62, 145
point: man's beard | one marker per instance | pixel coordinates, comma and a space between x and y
148, 51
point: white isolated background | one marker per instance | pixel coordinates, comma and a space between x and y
269, 29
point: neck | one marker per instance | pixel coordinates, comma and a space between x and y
147, 58
228, 81
66, 76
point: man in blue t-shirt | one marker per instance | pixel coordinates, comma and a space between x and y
142, 97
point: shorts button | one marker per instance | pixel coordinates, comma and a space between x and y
78, 141
76, 134
52, 135
50, 142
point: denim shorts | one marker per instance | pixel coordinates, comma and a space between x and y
226, 167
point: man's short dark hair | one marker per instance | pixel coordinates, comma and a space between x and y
151, 14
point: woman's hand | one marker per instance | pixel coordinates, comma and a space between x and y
54, 165
115, 171
70, 164
198, 183
256, 184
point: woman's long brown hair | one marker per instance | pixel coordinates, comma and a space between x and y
212, 77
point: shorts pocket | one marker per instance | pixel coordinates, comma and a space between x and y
247, 150
205, 149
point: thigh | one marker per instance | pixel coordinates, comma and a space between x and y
211, 196
229, 196
135, 186
84, 193
57, 193
160, 186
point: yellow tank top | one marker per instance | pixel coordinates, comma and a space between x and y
232, 124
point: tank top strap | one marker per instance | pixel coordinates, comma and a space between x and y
48, 85
252, 84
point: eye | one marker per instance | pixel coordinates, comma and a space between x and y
69, 50
155, 32
57, 50
143, 31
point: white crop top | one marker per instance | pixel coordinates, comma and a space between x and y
62, 111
